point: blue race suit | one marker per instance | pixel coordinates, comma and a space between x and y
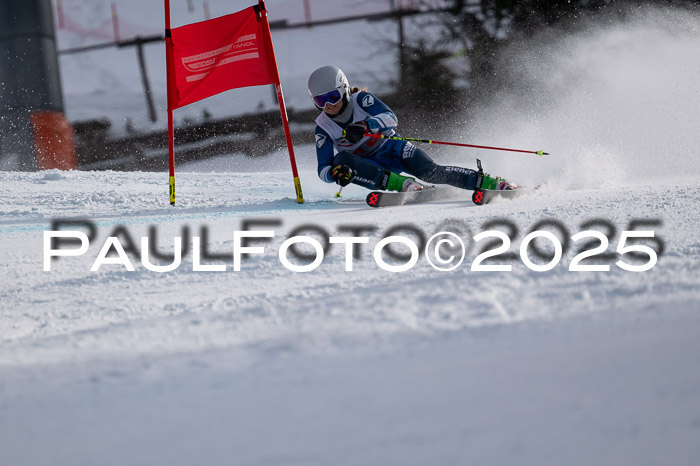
373, 158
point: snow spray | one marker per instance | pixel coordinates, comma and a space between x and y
617, 102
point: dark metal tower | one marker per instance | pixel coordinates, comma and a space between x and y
33, 132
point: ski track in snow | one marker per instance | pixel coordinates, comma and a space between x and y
72, 314
267, 366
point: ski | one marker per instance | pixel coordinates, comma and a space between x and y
392, 198
484, 196
479, 197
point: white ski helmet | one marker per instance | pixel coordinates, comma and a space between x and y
328, 84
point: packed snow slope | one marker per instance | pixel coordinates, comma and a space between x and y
266, 366
270, 366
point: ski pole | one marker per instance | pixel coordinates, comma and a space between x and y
429, 141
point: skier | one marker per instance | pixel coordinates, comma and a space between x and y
347, 114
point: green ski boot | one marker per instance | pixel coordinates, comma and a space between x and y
402, 183
496, 183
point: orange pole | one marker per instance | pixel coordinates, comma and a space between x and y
54, 141
115, 22
307, 13
59, 13
207, 12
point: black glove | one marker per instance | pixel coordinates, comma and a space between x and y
355, 131
342, 174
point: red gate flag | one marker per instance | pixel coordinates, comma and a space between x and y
204, 59
214, 56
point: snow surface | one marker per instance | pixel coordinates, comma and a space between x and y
265, 366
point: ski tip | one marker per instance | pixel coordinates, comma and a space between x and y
541, 153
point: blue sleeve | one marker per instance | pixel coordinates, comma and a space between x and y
382, 119
324, 154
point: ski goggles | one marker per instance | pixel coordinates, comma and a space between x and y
330, 97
